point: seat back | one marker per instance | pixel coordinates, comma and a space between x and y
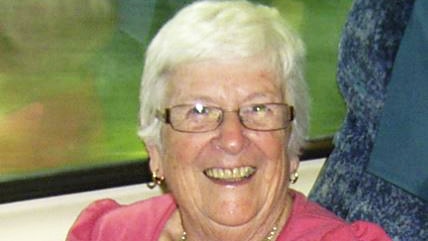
370, 41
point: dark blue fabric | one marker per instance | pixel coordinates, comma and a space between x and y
400, 151
368, 47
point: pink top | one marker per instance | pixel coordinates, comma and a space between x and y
106, 220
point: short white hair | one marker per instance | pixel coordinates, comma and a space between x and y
218, 30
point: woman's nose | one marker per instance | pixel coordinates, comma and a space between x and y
231, 138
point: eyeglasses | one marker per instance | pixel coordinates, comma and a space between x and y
199, 118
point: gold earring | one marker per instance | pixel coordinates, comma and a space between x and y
156, 180
294, 177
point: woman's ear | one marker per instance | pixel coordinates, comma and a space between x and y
155, 156
294, 163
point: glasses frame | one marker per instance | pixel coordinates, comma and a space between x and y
165, 117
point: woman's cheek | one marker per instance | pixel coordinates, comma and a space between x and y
181, 150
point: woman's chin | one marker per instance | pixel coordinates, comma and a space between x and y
230, 216
231, 207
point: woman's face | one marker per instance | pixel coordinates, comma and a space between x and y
188, 160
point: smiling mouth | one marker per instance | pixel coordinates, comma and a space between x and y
230, 174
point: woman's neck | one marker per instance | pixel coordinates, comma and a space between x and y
257, 229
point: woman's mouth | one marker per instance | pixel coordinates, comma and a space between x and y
230, 174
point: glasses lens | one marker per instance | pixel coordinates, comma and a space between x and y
265, 117
195, 118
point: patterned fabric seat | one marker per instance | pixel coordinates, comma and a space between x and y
370, 41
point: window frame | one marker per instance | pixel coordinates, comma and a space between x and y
109, 176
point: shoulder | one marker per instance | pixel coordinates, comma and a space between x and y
309, 221
107, 220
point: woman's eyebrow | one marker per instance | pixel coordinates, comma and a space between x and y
270, 96
194, 99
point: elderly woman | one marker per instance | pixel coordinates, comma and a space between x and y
223, 116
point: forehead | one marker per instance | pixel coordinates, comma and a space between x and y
233, 80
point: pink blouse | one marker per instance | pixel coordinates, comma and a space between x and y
106, 220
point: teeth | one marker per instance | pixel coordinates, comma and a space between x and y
234, 174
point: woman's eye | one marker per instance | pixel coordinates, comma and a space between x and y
199, 110
259, 108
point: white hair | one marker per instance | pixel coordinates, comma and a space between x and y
219, 30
